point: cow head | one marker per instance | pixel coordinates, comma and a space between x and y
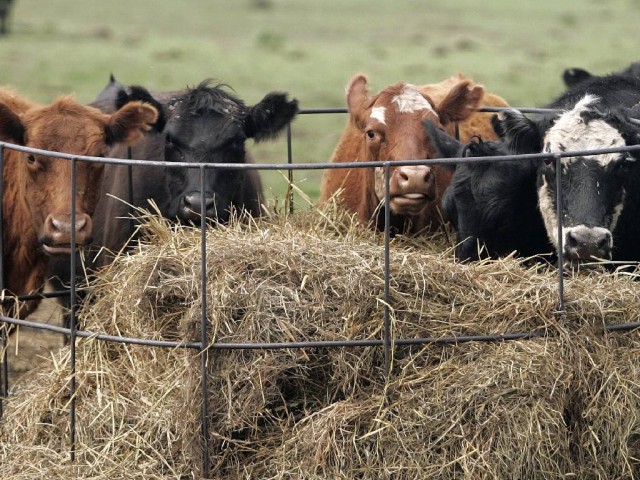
593, 188
207, 124
391, 127
44, 182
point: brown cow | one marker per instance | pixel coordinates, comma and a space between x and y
388, 126
36, 201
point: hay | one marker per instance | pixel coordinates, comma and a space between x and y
566, 405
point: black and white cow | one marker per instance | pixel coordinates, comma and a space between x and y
600, 193
492, 205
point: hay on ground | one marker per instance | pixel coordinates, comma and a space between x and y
566, 405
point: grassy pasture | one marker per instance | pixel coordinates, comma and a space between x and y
311, 49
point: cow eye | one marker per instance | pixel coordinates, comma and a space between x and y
371, 134
31, 159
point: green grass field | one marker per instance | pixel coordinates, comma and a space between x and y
312, 49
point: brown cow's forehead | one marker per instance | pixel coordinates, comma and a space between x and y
404, 98
66, 126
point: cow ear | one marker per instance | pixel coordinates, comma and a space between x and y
137, 93
268, 118
521, 134
574, 76
357, 93
461, 101
11, 127
127, 124
445, 145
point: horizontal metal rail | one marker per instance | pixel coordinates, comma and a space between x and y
452, 339
322, 165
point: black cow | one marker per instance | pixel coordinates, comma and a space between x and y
573, 76
492, 205
205, 124
600, 194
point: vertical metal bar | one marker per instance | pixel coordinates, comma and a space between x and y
204, 337
290, 172
387, 226
130, 190
4, 384
558, 160
72, 311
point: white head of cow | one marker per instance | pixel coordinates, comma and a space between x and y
391, 127
593, 187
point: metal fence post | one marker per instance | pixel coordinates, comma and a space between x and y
558, 167
290, 171
4, 383
72, 311
204, 337
130, 190
387, 226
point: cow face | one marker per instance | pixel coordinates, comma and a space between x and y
593, 188
391, 127
209, 125
43, 183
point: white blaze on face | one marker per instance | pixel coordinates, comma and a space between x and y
411, 100
378, 114
570, 132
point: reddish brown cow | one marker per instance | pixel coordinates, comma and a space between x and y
388, 126
36, 201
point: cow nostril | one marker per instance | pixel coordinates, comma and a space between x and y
429, 177
603, 244
571, 240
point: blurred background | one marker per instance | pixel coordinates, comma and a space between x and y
311, 49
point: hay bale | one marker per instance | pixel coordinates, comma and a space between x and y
564, 405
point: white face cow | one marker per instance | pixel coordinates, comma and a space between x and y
594, 188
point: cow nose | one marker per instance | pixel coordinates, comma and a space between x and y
192, 204
58, 229
415, 179
582, 243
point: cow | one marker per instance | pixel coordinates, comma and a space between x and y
204, 124
573, 76
600, 193
5, 10
493, 206
37, 195
388, 126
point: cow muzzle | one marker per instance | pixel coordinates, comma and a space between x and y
411, 188
190, 208
587, 243
57, 233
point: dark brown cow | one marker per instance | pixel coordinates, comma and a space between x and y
388, 126
36, 201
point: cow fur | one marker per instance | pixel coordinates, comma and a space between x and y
401, 137
600, 193
37, 189
492, 205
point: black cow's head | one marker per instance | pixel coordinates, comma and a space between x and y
593, 188
207, 124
